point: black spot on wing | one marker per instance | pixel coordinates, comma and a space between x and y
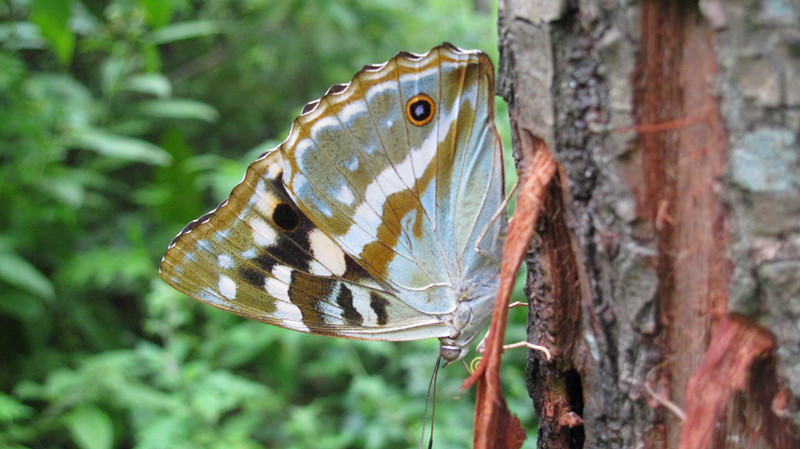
292, 246
345, 300
266, 261
253, 277
353, 271
378, 305
284, 252
285, 217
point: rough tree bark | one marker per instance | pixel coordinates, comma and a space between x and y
666, 275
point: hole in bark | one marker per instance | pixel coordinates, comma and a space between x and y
575, 398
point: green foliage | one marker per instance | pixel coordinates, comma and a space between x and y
121, 121
51, 17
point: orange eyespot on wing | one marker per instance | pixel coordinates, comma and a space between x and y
420, 110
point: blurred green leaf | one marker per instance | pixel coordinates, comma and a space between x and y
169, 431
119, 147
154, 84
68, 188
53, 16
59, 100
183, 31
177, 108
91, 428
12, 410
20, 35
158, 11
16, 271
23, 306
115, 71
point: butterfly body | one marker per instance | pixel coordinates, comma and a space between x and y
373, 220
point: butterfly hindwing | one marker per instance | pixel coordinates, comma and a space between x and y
406, 198
259, 256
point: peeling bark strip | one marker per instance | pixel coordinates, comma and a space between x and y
735, 346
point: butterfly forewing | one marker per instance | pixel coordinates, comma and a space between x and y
259, 256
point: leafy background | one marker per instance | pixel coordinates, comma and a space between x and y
122, 120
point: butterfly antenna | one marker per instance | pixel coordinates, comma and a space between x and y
430, 399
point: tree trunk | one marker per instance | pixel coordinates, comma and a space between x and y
665, 277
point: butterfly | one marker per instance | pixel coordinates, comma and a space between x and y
375, 219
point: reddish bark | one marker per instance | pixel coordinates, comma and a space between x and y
684, 150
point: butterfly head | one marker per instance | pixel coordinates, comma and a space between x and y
451, 351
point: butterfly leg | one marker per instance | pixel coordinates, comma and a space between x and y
482, 342
531, 346
543, 349
479, 349
500, 210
